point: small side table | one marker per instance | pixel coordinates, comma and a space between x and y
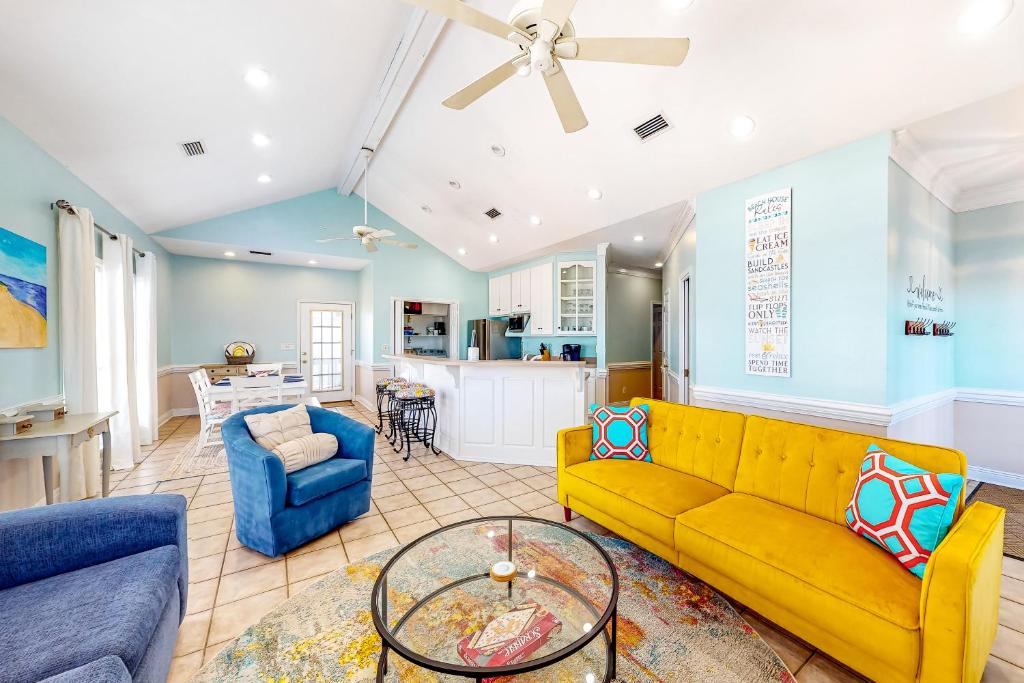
56, 439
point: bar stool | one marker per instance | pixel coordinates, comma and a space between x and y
382, 396
391, 410
416, 414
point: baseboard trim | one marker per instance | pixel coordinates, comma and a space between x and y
365, 402
999, 477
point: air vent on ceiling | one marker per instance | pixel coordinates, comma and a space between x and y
260, 253
193, 149
492, 213
652, 127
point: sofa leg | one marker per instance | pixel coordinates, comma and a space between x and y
568, 513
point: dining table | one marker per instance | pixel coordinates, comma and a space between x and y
293, 388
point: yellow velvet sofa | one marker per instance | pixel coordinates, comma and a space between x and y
755, 507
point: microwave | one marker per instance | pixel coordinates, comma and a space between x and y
517, 323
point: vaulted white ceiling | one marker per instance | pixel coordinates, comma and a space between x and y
110, 87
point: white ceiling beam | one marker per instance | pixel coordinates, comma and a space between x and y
412, 51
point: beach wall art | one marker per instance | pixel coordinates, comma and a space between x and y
22, 292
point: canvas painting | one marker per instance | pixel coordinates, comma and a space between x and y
22, 292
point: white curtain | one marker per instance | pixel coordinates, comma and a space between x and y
77, 247
116, 348
145, 347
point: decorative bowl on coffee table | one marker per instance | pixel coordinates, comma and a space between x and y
498, 596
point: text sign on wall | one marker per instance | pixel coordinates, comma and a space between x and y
767, 252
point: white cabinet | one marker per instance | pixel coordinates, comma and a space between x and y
542, 300
577, 300
500, 295
520, 286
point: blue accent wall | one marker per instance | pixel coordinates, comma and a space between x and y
295, 224
989, 250
30, 179
839, 285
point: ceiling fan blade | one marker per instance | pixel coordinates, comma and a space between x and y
370, 245
557, 11
383, 232
564, 97
396, 243
480, 87
654, 51
464, 14
335, 239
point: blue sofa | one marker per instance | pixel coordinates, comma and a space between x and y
276, 512
92, 591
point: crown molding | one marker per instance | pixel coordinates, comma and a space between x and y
686, 217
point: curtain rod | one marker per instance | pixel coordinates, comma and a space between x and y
65, 205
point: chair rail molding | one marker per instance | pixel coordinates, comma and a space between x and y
630, 365
187, 368
59, 398
865, 413
1001, 397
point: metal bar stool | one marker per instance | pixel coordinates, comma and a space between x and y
416, 415
390, 412
383, 399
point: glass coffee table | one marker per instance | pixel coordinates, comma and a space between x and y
496, 597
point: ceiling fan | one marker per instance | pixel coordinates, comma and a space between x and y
368, 235
545, 35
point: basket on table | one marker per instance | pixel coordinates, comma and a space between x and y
239, 353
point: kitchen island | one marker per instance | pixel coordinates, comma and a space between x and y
501, 411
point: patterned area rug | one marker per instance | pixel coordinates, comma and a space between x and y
1013, 501
192, 462
671, 628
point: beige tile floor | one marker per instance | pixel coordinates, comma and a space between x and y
232, 587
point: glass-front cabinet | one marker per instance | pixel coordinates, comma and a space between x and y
577, 286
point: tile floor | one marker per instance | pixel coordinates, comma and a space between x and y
232, 587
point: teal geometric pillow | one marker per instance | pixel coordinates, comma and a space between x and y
904, 509
620, 433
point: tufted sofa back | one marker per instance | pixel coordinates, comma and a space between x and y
814, 469
698, 441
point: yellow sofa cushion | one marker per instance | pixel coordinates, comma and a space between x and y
641, 495
843, 585
698, 441
814, 469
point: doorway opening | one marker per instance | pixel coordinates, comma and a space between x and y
684, 339
657, 353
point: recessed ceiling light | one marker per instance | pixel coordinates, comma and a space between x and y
982, 16
263, 178
659, 264
455, 184
260, 140
257, 78
676, 5
595, 193
493, 239
536, 220
462, 251
229, 254
742, 126
312, 262
622, 270
638, 238
497, 150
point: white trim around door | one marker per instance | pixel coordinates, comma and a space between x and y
337, 382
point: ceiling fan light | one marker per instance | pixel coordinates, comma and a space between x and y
981, 16
524, 70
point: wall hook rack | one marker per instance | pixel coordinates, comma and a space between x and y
943, 329
917, 328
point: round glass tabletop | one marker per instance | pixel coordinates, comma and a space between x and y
498, 596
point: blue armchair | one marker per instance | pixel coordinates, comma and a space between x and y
93, 590
276, 512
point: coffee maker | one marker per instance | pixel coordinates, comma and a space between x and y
571, 352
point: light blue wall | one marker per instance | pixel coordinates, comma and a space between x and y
217, 302
591, 344
682, 260
296, 224
628, 334
839, 294
30, 179
920, 245
990, 285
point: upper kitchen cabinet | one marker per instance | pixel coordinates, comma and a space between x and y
500, 295
542, 299
520, 286
577, 287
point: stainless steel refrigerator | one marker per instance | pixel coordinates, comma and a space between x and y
490, 337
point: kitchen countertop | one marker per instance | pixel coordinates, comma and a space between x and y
489, 363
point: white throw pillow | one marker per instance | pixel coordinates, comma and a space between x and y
270, 430
306, 450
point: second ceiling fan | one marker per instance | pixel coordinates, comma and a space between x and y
545, 36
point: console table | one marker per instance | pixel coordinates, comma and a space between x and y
55, 439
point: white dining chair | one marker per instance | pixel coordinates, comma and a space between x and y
255, 392
263, 369
211, 413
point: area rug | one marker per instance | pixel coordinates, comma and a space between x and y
1013, 501
671, 627
192, 462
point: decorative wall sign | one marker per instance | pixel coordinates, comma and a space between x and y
22, 292
767, 256
921, 297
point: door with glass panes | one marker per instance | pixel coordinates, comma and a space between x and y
326, 352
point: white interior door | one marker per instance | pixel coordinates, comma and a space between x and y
326, 350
